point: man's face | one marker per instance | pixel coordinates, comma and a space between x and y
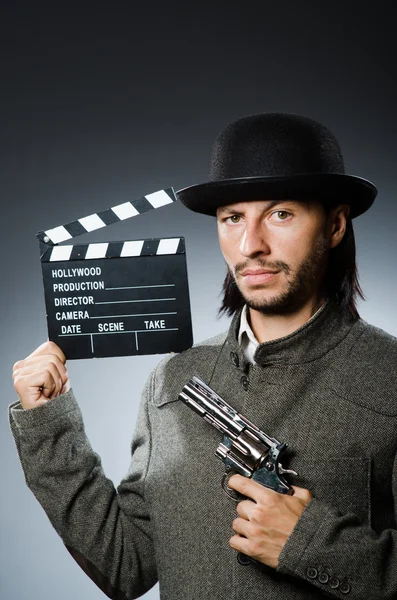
276, 251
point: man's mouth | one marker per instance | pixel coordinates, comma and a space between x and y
257, 272
257, 276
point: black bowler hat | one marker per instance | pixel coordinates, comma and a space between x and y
277, 156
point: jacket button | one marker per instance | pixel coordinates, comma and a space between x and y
323, 577
243, 559
344, 588
244, 382
334, 583
234, 359
311, 573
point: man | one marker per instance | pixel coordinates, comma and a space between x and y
297, 361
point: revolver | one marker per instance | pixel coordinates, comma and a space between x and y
245, 449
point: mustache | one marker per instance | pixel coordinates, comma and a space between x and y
276, 265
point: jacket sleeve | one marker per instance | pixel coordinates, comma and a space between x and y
340, 555
108, 532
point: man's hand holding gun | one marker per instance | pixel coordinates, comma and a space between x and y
271, 507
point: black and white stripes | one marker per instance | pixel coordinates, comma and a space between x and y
103, 219
149, 247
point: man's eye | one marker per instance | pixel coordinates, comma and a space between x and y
282, 215
234, 219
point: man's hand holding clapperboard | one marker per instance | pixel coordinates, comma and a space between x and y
116, 298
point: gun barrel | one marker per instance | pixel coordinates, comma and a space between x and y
205, 401
211, 411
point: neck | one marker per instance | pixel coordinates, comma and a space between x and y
272, 327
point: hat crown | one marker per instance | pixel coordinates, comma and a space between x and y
274, 144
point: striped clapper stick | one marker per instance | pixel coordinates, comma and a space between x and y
116, 298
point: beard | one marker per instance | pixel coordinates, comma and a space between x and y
304, 283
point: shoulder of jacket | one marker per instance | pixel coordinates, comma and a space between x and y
369, 376
373, 340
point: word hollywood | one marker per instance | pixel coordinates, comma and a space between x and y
77, 272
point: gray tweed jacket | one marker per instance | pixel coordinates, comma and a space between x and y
328, 390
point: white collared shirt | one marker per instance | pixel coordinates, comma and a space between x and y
246, 337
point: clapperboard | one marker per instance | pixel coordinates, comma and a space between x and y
116, 298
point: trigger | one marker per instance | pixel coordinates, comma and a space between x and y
236, 496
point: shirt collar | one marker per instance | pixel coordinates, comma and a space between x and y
325, 329
246, 338
245, 328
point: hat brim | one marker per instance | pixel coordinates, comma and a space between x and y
328, 188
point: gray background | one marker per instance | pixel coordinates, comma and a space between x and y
104, 102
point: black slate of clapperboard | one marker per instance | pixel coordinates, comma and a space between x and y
153, 305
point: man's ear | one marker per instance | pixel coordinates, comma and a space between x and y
337, 220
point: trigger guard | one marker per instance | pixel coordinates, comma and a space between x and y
236, 496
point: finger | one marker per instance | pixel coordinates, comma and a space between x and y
65, 387
17, 367
49, 348
242, 527
56, 362
240, 543
53, 384
244, 509
302, 494
249, 488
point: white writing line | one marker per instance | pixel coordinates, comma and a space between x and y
135, 315
92, 344
128, 301
138, 287
136, 340
117, 332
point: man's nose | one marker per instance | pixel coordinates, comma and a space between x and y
253, 241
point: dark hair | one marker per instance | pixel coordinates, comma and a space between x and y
341, 279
